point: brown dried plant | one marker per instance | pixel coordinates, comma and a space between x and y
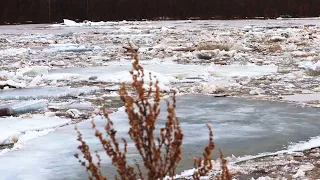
160, 154
203, 166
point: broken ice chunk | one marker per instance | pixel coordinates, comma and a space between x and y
13, 126
46, 92
34, 71
24, 107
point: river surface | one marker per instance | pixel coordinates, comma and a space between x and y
185, 24
241, 127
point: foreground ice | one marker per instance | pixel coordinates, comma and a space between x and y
26, 106
45, 92
16, 126
241, 127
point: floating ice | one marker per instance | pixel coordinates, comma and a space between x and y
35, 81
70, 48
26, 106
312, 69
249, 70
15, 126
304, 145
11, 83
64, 76
71, 23
68, 22
46, 92
302, 97
185, 174
34, 71
126, 77
23, 138
13, 51
79, 106
170, 72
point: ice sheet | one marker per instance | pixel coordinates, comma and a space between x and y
171, 72
70, 48
302, 97
26, 106
14, 126
45, 92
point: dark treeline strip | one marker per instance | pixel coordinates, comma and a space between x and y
43, 11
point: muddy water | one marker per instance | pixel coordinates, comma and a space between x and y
241, 127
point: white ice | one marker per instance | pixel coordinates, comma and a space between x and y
15, 126
304, 145
26, 106
171, 72
46, 92
34, 71
12, 83
71, 23
14, 51
302, 97
70, 48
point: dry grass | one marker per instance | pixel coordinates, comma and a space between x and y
160, 154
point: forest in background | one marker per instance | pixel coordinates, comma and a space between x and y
47, 11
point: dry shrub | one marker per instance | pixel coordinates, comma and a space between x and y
203, 166
160, 154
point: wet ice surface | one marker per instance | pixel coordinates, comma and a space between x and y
241, 127
26, 106
303, 97
45, 92
173, 71
14, 126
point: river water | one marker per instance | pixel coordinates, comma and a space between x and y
241, 127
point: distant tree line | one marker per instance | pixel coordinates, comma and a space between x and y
42, 11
